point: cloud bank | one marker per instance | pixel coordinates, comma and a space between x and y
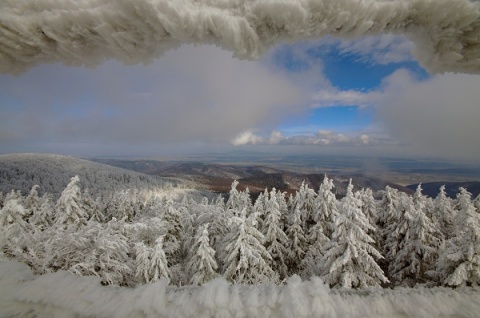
191, 95
446, 33
438, 116
319, 138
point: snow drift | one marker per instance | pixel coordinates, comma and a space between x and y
446, 33
62, 294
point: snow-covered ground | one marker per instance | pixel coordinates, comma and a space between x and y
62, 294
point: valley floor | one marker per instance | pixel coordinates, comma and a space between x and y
62, 294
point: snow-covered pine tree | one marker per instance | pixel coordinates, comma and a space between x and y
417, 246
202, 264
276, 241
32, 202
349, 257
298, 243
369, 205
459, 264
69, 208
143, 261
283, 207
92, 208
159, 264
311, 264
151, 262
443, 213
44, 217
101, 250
325, 207
389, 213
304, 200
12, 211
389, 207
260, 206
324, 212
173, 231
235, 201
247, 260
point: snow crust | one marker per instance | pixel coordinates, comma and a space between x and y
62, 294
446, 33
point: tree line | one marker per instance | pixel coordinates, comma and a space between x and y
135, 237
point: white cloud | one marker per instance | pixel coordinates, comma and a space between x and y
193, 94
439, 116
319, 138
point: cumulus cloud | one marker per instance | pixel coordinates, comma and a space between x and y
193, 94
88, 32
319, 138
439, 116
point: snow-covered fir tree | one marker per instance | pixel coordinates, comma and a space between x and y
12, 211
69, 208
32, 202
276, 241
151, 262
298, 243
247, 260
173, 231
43, 219
239, 200
159, 264
459, 264
304, 200
443, 213
325, 207
349, 258
416, 248
102, 251
202, 264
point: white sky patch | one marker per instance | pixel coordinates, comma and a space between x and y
90, 32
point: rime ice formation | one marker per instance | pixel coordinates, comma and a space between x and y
446, 33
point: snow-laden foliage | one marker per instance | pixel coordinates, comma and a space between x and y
202, 264
248, 261
443, 213
138, 236
349, 258
276, 241
417, 248
69, 209
459, 264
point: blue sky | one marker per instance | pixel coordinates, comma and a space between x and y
360, 96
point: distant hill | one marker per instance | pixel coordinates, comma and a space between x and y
219, 177
431, 189
53, 172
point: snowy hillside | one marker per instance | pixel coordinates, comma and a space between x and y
53, 172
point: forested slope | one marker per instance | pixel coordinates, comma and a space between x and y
53, 172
